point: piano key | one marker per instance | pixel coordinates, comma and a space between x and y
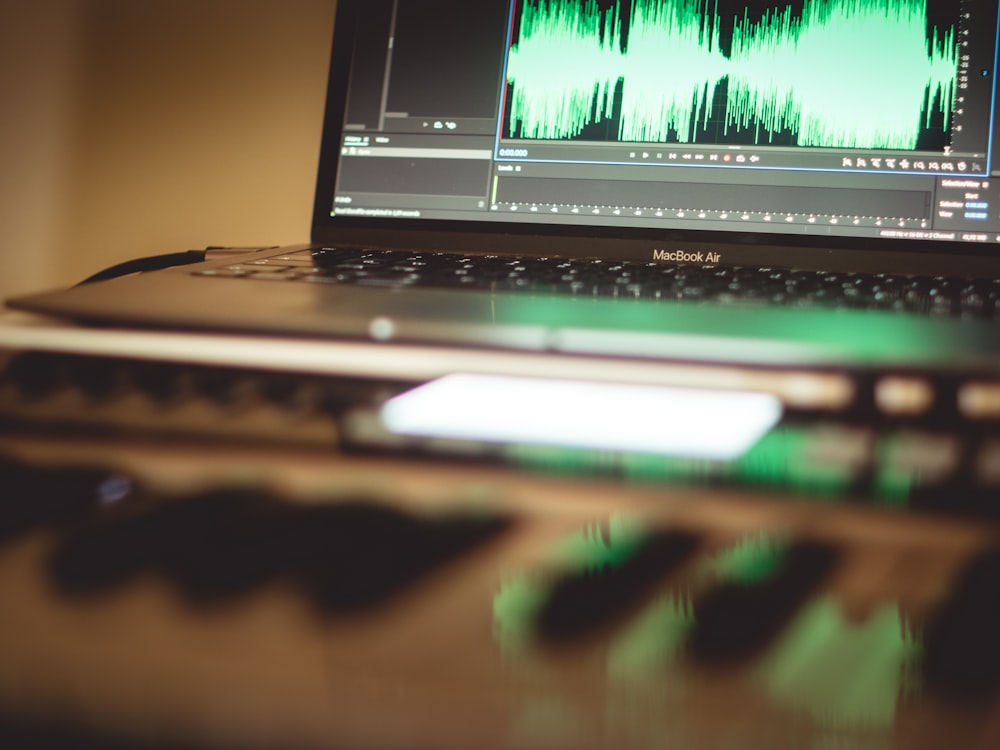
583, 601
358, 555
114, 547
739, 615
962, 640
38, 496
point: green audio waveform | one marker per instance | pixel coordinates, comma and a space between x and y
842, 73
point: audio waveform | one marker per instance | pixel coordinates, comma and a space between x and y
839, 73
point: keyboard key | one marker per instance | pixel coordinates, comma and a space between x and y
223, 543
354, 556
740, 615
40, 496
177, 536
961, 649
584, 601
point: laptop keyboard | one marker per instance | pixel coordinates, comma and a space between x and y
626, 280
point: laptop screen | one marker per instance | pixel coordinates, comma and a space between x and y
816, 123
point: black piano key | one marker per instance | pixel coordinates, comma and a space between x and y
300, 542
229, 544
736, 618
35, 375
223, 543
959, 497
363, 555
962, 639
584, 601
36, 496
168, 534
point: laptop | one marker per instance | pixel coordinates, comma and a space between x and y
841, 148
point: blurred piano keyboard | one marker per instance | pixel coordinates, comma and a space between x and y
196, 556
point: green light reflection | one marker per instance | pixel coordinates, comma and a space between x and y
750, 560
516, 604
753, 334
655, 640
596, 547
844, 674
781, 460
838, 673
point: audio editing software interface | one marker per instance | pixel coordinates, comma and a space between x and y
852, 118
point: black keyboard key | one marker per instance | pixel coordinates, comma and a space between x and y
258, 542
34, 496
738, 617
35, 375
357, 555
959, 497
222, 543
962, 640
225, 543
584, 601
175, 536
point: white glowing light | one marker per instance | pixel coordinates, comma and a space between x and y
692, 423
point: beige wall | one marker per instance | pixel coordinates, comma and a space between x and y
39, 55
135, 127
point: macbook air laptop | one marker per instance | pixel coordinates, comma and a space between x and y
812, 182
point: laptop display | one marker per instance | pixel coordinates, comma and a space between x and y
810, 125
